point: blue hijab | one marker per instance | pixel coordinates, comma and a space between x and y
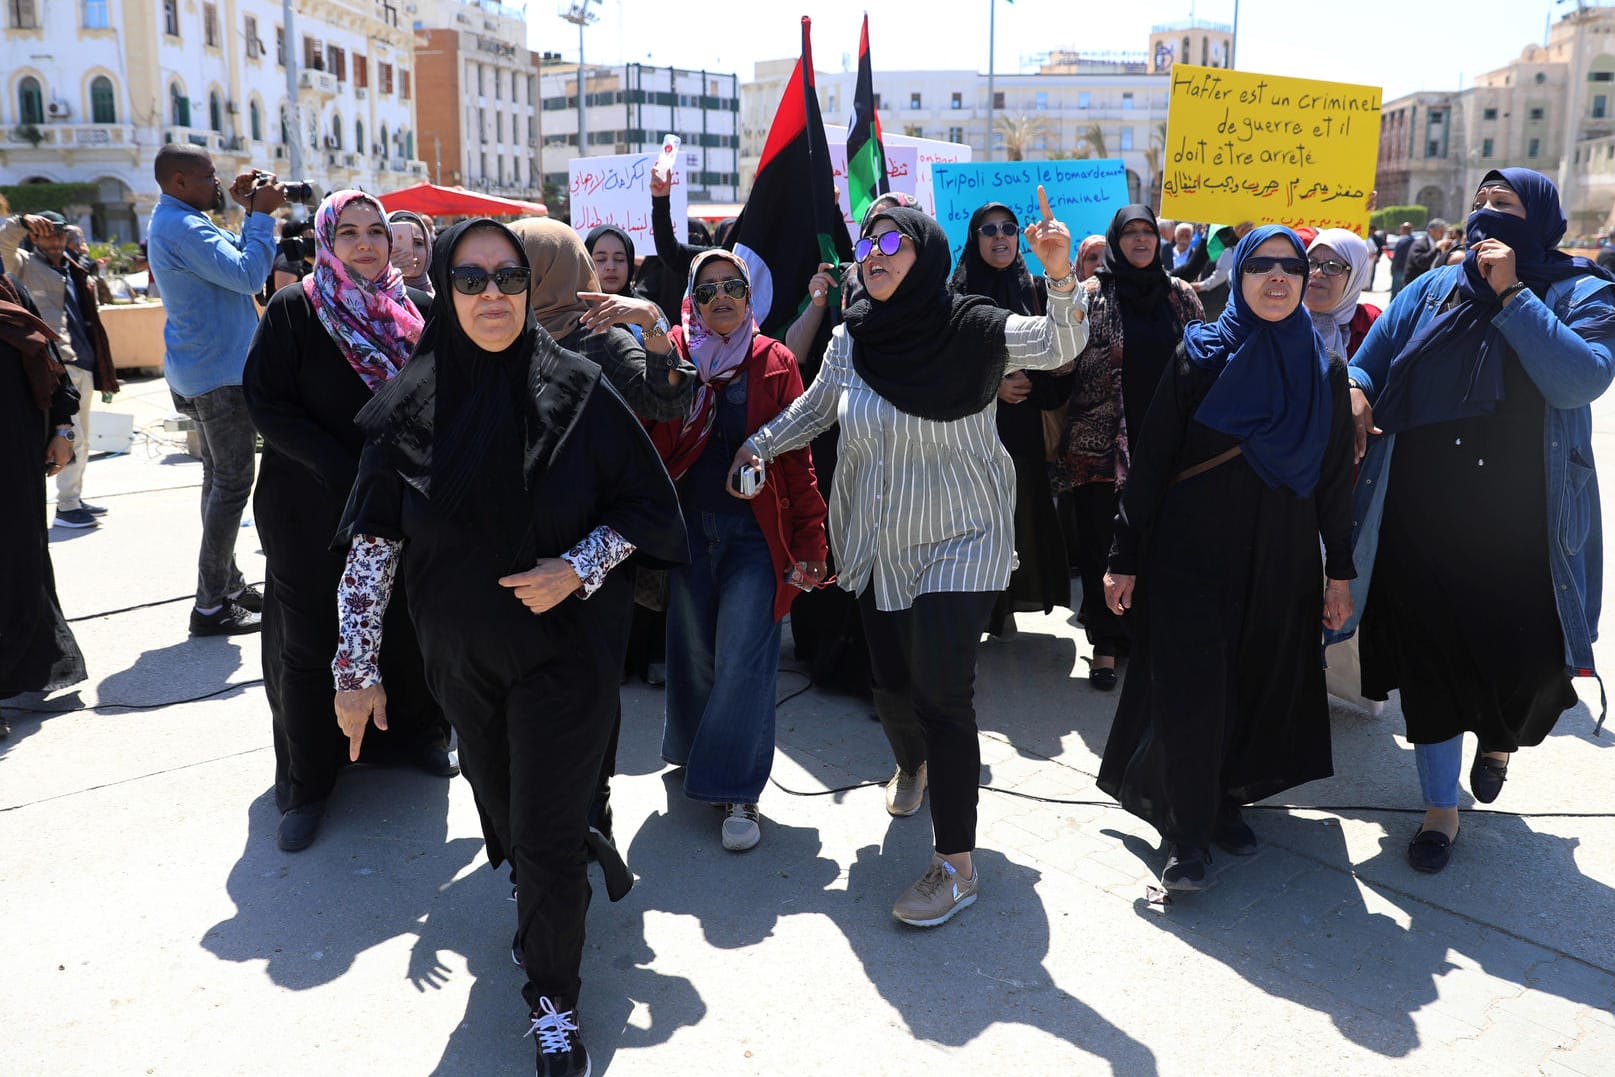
1272, 389
1452, 368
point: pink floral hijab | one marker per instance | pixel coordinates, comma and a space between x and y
373, 322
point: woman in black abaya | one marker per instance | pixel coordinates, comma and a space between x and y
37, 405
991, 265
321, 352
1243, 461
506, 480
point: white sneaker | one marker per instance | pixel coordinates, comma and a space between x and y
740, 829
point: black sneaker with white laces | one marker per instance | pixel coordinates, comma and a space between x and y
249, 598
560, 1046
228, 620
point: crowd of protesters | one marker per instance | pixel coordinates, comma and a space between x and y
548, 461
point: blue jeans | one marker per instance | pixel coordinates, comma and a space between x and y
1439, 766
722, 661
229, 443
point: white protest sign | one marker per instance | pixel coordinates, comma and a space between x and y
615, 190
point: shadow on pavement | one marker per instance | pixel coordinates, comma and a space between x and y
1300, 927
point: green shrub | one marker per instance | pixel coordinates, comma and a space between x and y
38, 197
1391, 217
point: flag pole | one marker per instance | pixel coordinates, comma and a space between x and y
992, 12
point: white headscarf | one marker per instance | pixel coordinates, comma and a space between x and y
1334, 326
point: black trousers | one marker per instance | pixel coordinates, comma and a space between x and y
1094, 508
532, 752
922, 663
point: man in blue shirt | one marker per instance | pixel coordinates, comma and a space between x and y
208, 279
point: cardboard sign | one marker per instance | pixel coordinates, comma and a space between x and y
927, 152
615, 190
1247, 147
1084, 196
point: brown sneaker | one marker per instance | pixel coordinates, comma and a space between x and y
905, 792
939, 894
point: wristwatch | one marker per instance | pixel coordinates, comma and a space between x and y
659, 329
65, 432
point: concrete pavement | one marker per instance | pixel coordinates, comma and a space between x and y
152, 927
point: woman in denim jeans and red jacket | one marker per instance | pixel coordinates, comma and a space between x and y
1480, 378
725, 608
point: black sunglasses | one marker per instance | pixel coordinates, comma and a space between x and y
991, 229
1329, 267
473, 280
1290, 267
733, 287
889, 243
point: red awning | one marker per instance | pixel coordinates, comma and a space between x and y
458, 202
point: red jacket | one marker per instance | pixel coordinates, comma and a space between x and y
789, 509
1361, 323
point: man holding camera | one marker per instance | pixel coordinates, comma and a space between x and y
208, 279
66, 298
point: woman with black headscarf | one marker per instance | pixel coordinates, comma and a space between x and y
991, 265
1243, 460
613, 252
1488, 553
1136, 317
506, 479
921, 514
37, 405
321, 353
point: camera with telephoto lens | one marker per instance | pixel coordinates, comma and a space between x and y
294, 190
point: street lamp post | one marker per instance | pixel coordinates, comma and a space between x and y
992, 13
580, 16
294, 124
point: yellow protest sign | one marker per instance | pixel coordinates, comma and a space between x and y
1266, 149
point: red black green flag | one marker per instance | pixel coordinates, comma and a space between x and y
866, 153
791, 221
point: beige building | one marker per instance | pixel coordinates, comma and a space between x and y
92, 89
1553, 110
479, 119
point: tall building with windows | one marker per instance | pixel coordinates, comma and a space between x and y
629, 107
93, 89
479, 124
1552, 109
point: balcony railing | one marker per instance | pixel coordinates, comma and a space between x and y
321, 82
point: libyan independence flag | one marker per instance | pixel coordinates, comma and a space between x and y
866, 154
791, 221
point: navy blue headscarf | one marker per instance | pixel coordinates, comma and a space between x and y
1272, 389
1452, 368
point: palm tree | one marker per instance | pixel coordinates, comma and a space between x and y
1091, 142
1021, 133
1152, 162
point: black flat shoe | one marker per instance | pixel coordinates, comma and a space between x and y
1185, 868
436, 761
1486, 777
1103, 678
1430, 850
299, 826
1232, 834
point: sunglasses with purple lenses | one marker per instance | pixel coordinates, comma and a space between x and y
888, 242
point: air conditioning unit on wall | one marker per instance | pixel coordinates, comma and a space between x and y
57, 110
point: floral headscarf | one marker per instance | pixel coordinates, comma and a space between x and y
373, 322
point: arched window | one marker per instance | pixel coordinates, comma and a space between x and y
215, 112
179, 106
255, 118
386, 150
103, 106
30, 101
409, 146
358, 136
336, 130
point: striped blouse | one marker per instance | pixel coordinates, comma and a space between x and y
921, 506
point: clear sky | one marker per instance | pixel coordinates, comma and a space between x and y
1399, 45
